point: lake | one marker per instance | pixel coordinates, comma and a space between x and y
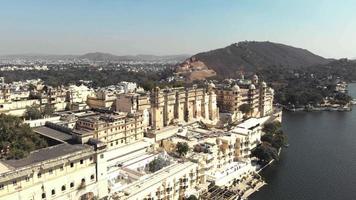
320, 163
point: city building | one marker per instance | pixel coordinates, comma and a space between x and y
102, 99
63, 172
176, 181
234, 93
115, 130
174, 105
249, 135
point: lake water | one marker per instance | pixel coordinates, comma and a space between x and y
320, 163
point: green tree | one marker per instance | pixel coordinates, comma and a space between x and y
272, 127
157, 164
182, 148
274, 135
33, 112
17, 140
192, 197
278, 141
245, 108
265, 152
48, 110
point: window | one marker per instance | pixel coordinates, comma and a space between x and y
61, 168
27, 179
83, 180
72, 184
51, 171
1, 187
71, 164
63, 188
81, 161
14, 182
101, 155
39, 175
43, 195
53, 192
92, 177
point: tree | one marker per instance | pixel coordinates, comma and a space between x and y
157, 164
33, 112
265, 152
278, 141
48, 110
274, 134
272, 127
192, 197
182, 148
245, 108
17, 140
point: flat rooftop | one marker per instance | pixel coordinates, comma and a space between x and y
48, 153
53, 134
156, 178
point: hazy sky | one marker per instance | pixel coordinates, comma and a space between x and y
325, 27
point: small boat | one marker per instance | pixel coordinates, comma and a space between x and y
286, 145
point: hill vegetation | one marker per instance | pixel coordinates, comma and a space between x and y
251, 56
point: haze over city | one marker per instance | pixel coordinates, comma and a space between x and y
161, 27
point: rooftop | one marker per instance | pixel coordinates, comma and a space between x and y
47, 154
157, 178
53, 134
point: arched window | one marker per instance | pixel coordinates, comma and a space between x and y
63, 188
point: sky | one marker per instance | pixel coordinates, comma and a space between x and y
165, 27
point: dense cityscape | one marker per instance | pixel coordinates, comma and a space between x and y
177, 100
123, 142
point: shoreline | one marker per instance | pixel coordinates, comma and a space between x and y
263, 183
346, 108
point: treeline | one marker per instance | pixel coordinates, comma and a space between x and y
99, 78
272, 140
308, 85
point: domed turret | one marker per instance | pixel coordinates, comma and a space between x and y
263, 84
255, 79
211, 85
252, 87
236, 88
270, 90
156, 89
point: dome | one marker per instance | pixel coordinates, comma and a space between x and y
212, 85
252, 87
270, 90
235, 88
263, 84
157, 89
255, 77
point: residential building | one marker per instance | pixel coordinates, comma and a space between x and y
63, 172
115, 130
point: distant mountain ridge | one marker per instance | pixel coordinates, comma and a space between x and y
98, 56
247, 56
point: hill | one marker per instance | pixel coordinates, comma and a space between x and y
247, 57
